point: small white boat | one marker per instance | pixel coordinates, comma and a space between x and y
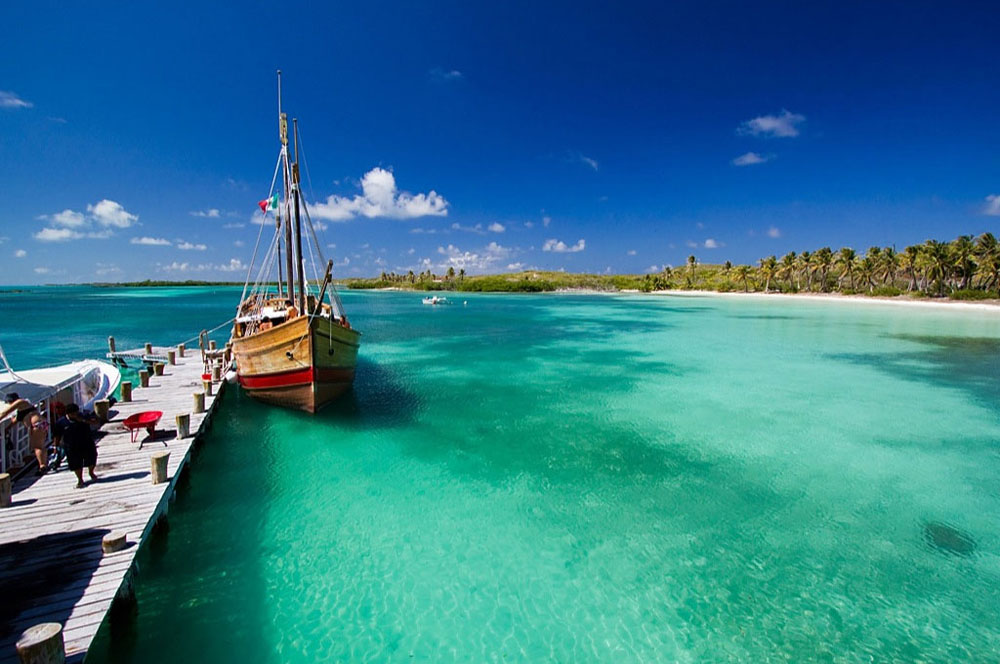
436, 300
82, 383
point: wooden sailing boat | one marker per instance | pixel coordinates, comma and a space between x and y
292, 347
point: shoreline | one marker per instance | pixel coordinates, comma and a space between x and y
944, 303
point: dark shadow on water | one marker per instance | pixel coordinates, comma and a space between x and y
764, 317
378, 400
949, 539
968, 363
43, 578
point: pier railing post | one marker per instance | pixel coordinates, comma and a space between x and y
101, 407
5, 489
199, 402
113, 541
171, 356
126, 391
158, 368
211, 344
111, 344
180, 350
217, 373
149, 348
144, 377
159, 470
207, 386
42, 644
183, 425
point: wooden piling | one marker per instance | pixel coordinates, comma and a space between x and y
199, 402
5, 489
211, 344
149, 348
159, 461
101, 407
126, 388
217, 373
42, 644
183, 425
114, 541
144, 377
180, 350
111, 344
171, 357
207, 386
158, 369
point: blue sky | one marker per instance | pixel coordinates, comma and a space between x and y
136, 140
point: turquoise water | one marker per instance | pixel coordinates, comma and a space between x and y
581, 478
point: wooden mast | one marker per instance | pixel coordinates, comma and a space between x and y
283, 129
299, 262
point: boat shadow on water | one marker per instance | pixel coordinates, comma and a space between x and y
378, 400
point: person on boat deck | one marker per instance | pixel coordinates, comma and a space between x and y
77, 439
290, 310
36, 425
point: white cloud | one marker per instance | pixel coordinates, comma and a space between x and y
238, 243
69, 219
188, 246
478, 228
710, 243
529, 224
515, 266
992, 205
440, 74
774, 231
42, 270
234, 265
100, 235
411, 251
110, 213
653, 268
11, 100
473, 261
107, 268
560, 247
496, 227
751, 158
546, 221
235, 225
381, 198
784, 125
630, 252
150, 241
57, 235
177, 267
211, 213
20, 253
581, 158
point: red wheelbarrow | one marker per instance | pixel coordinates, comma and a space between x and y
146, 420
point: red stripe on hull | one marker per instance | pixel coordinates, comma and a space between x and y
306, 389
297, 377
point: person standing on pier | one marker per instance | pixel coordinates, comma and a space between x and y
78, 442
36, 425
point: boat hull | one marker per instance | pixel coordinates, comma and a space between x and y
301, 364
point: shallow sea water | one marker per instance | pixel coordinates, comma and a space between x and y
583, 478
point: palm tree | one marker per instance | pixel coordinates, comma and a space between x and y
805, 267
768, 267
691, 263
461, 274
727, 268
787, 269
867, 267
823, 260
988, 257
910, 263
410, 276
451, 273
939, 264
889, 266
847, 259
962, 252
743, 274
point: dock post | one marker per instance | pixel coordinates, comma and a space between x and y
149, 348
111, 344
113, 541
180, 350
207, 386
42, 644
183, 425
171, 356
158, 368
199, 402
144, 377
211, 344
159, 472
101, 408
217, 373
5, 489
126, 391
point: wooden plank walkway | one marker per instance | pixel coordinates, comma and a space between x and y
52, 568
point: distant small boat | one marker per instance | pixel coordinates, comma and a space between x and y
48, 389
436, 300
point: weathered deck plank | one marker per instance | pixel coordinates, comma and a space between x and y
51, 563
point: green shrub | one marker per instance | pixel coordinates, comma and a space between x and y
970, 294
886, 291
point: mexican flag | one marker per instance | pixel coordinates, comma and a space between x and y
269, 204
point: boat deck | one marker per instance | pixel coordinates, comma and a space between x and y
52, 568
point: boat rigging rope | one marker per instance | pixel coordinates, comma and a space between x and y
186, 341
260, 232
3, 356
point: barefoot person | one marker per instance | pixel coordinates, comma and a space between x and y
37, 426
78, 441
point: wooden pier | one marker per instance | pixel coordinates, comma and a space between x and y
53, 567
